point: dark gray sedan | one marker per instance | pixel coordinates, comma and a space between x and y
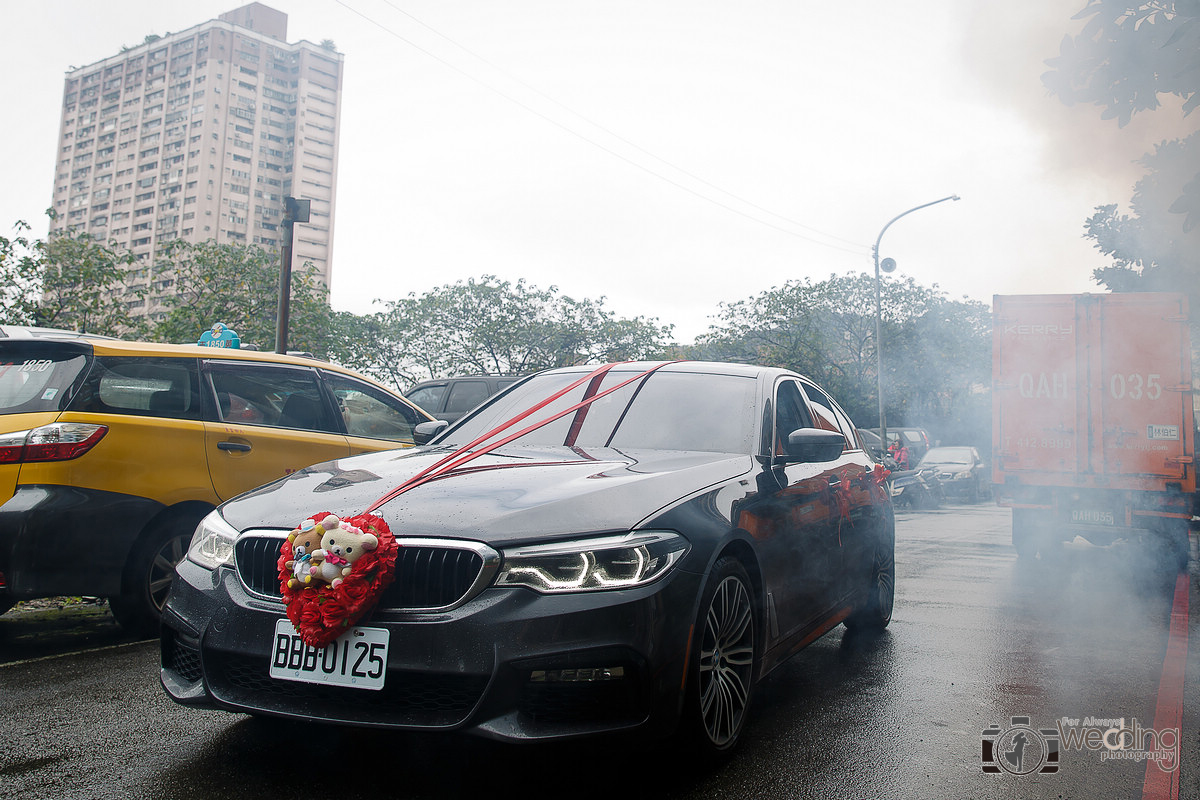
627, 548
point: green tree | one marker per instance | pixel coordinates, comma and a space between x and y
936, 351
20, 276
69, 280
238, 285
1126, 57
493, 326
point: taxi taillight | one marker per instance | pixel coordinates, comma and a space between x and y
60, 441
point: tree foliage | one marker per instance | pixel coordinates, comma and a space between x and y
936, 351
1124, 59
69, 280
238, 285
492, 326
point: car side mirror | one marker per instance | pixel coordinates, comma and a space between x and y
813, 445
424, 431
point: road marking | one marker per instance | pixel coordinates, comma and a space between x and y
1168, 713
74, 653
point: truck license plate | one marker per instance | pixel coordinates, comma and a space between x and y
357, 658
1089, 516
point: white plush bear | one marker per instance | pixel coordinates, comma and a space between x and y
341, 546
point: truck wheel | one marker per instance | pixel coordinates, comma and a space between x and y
1026, 536
1180, 545
149, 572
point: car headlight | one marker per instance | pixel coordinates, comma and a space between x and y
963, 475
212, 544
588, 565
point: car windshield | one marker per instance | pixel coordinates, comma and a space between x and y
665, 411
948, 455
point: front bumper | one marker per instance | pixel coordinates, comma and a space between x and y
478, 668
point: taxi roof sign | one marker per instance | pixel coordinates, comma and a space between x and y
220, 336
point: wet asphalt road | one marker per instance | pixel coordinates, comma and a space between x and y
977, 638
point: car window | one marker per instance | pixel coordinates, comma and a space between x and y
465, 395
369, 412
912, 437
829, 416
429, 397
667, 411
791, 413
145, 386
266, 394
34, 377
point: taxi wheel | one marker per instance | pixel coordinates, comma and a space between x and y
148, 574
723, 662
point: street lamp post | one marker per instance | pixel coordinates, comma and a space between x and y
888, 266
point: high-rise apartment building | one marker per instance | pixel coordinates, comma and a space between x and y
200, 135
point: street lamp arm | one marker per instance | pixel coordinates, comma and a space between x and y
879, 238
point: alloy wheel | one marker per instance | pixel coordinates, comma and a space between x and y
726, 661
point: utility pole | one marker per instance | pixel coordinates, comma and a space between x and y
293, 211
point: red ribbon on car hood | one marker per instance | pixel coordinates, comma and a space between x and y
467, 453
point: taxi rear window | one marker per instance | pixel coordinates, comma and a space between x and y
39, 376
142, 386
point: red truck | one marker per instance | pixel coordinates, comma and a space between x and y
1092, 425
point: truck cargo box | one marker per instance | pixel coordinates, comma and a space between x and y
1092, 411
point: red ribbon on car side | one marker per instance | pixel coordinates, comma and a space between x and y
465, 453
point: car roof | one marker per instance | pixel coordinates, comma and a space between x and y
698, 367
120, 347
36, 332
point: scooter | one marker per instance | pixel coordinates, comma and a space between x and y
916, 488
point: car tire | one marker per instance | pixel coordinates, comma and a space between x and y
148, 573
876, 611
723, 662
1180, 544
973, 493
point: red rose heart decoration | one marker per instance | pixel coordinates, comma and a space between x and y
333, 571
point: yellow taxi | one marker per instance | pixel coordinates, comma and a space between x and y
112, 451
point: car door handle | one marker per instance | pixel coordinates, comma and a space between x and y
234, 447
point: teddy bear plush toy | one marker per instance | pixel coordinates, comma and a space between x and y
341, 545
305, 540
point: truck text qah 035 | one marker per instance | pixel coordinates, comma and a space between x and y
1092, 419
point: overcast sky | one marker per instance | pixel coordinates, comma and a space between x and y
667, 155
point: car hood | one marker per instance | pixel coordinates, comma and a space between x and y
511, 494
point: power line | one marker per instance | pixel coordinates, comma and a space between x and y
613, 134
858, 248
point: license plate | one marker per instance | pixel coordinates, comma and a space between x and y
1090, 516
357, 658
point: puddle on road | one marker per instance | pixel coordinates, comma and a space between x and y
53, 628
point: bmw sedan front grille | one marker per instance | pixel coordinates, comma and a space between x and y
431, 574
